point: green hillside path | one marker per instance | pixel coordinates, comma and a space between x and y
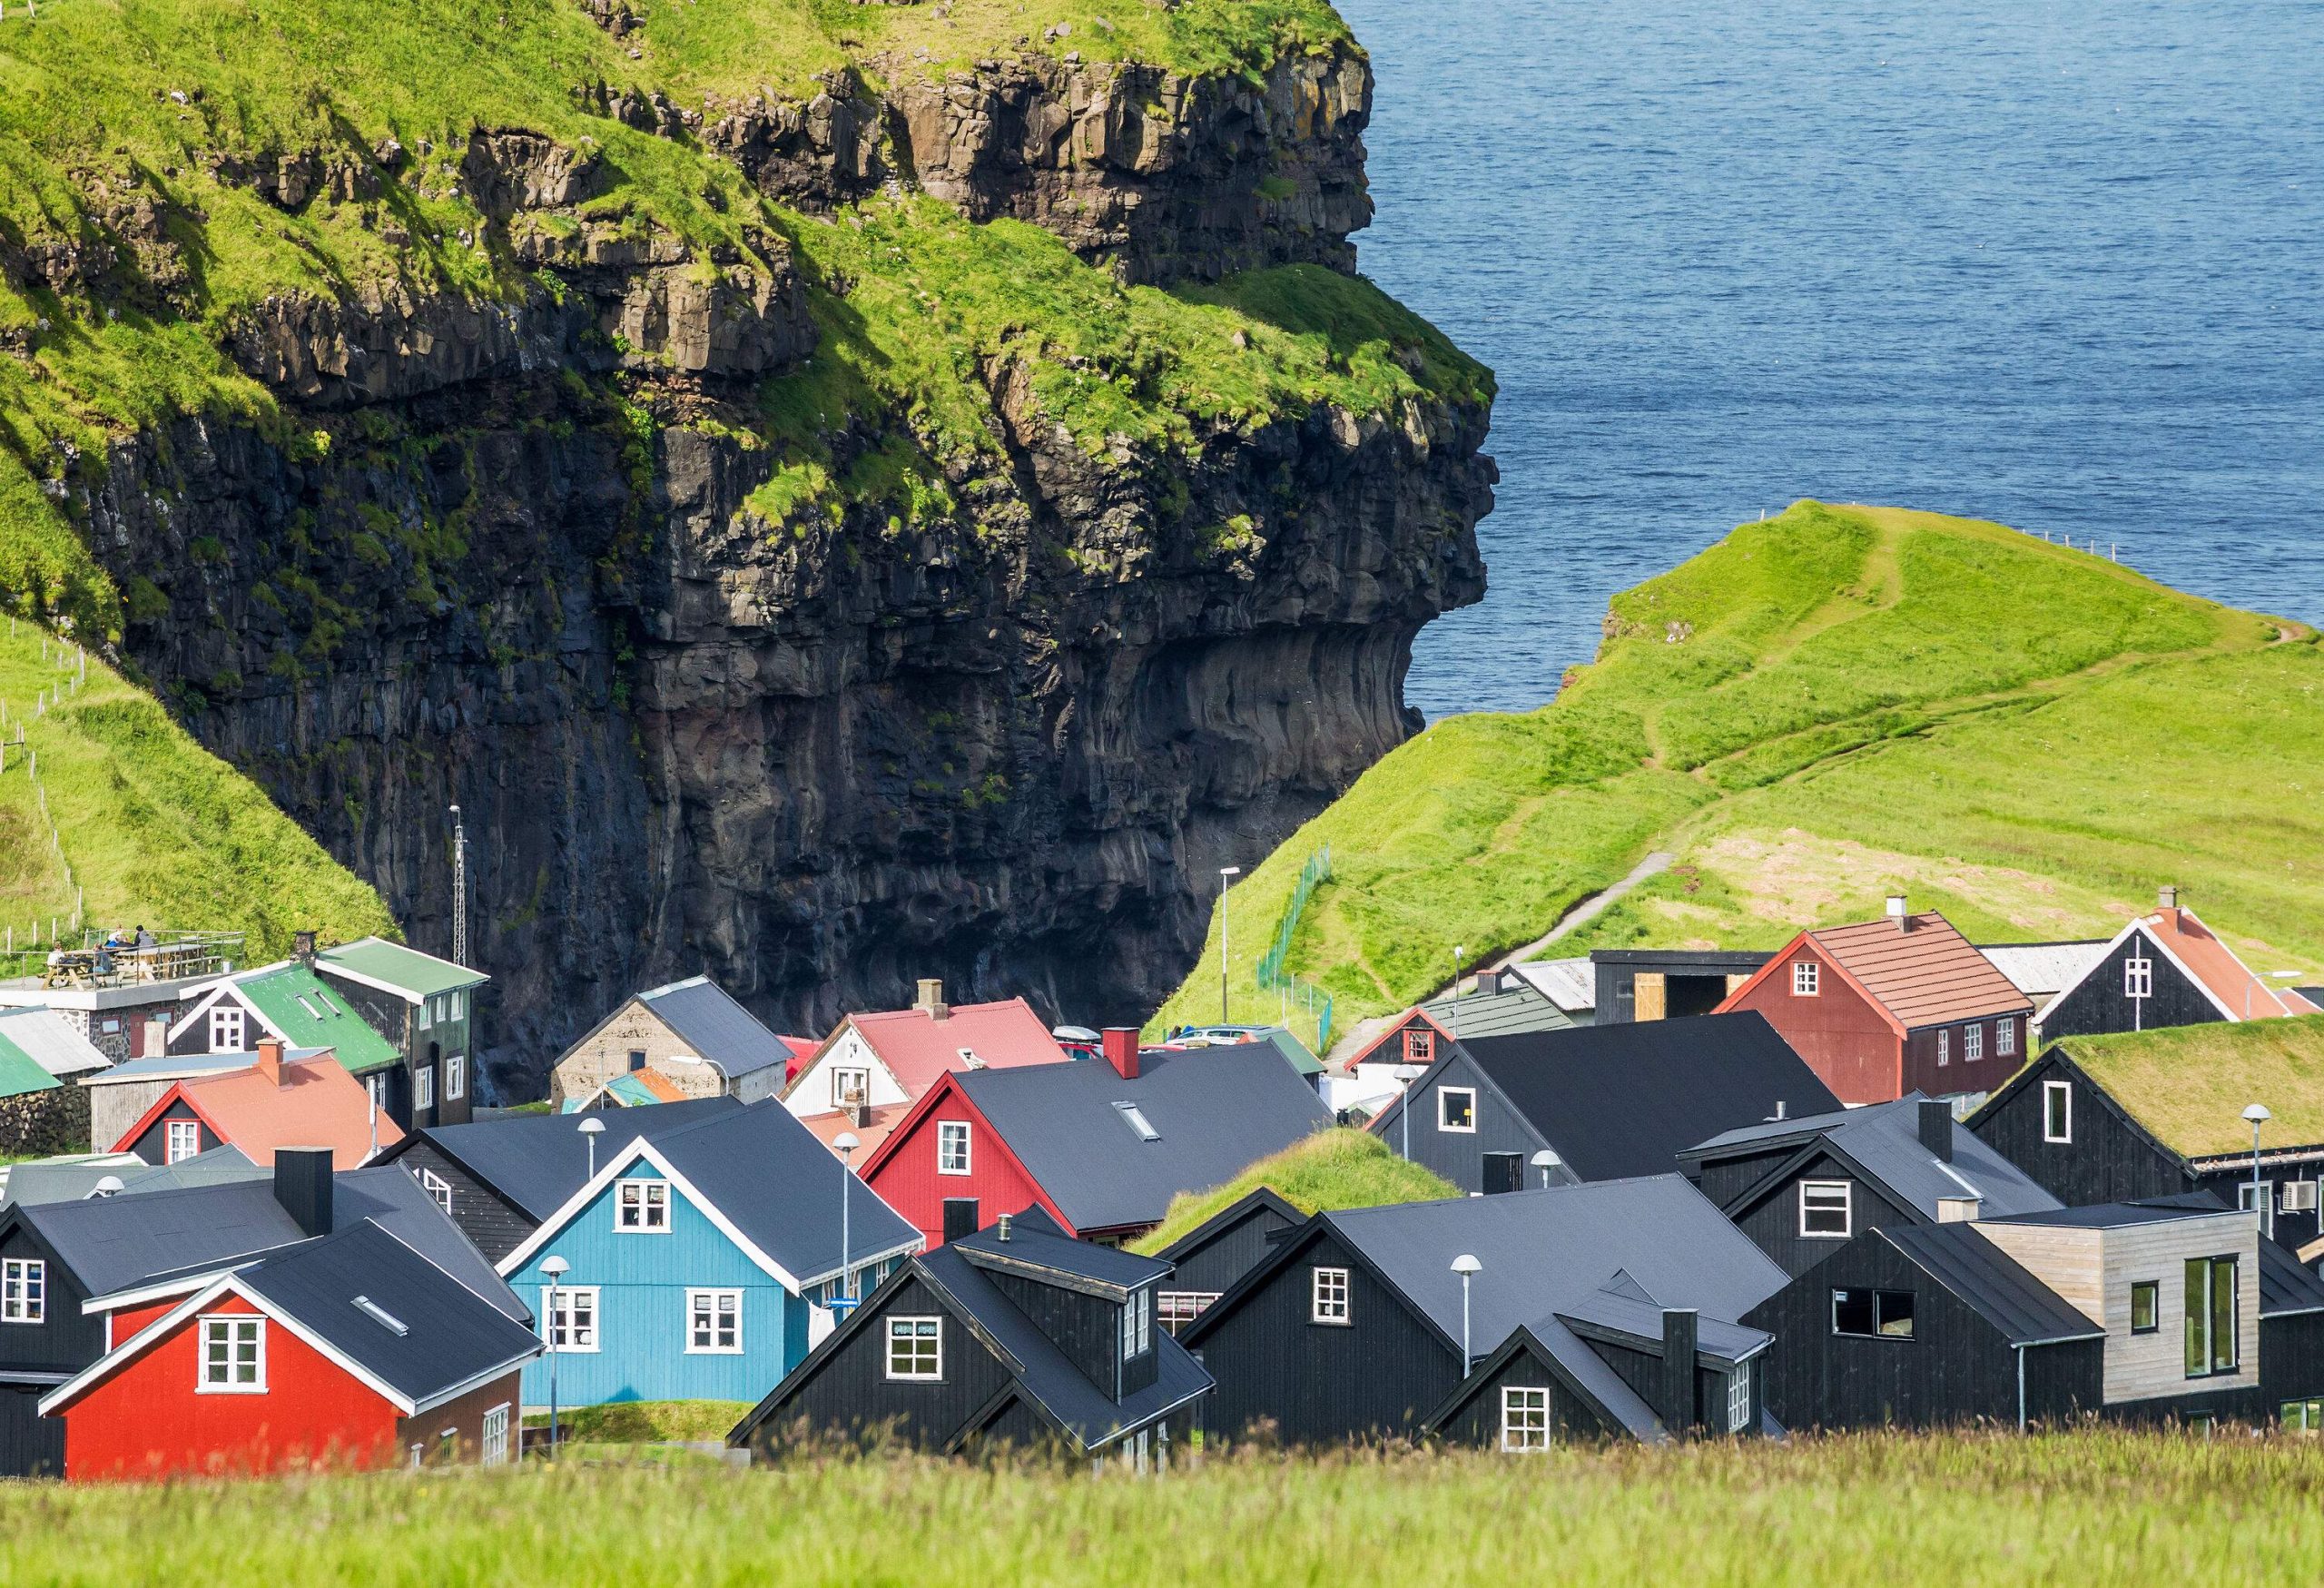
1827, 706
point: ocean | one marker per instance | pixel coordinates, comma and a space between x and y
2060, 265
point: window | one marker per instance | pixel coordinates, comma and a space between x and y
1873, 1315
572, 1314
495, 1452
23, 1290
1738, 1398
951, 1147
1826, 1209
2145, 1307
460, 1005
2211, 1305
233, 1356
851, 1088
713, 1321
426, 1014
2138, 978
1972, 1042
1420, 1046
1138, 1324
1456, 1107
2057, 1111
226, 1029
637, 1060
1135, 1117
1805, 976
2301, 1416
1524, 1418
2004, 1037
456, 1078
2260, 1198
184, 1142
438, 1186
423, 1087
1328, 1295
1180, 1307
1945, 1047
312, 1013
916, 1349
643, 1205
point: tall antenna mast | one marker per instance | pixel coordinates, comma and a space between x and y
459, 890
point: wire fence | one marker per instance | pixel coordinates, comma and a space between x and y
1298, 992
23, 951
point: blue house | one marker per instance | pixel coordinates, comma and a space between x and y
698, 1262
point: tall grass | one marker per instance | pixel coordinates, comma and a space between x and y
1330, 1170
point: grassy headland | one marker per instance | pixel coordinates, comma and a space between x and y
1824, 708
1329, 1170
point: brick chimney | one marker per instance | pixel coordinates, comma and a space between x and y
931, 1000
270, 1061
302, 947
1898, 913
1121, 1050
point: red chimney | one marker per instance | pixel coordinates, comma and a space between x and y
270, 1059
1121, 1050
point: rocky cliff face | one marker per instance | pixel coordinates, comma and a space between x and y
507, 558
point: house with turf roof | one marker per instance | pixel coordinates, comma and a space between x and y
274, 1102
1207, 1260
425, 1009
288, 1003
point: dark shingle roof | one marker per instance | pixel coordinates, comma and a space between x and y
1216, 1111
449, 1335
119, 1243
1884, 1141
1622, 1101
538, 1160
718, 1029
1498, 1014
1038, 1247
1990, 1281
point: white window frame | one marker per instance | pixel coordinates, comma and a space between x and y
1806, 979
1446, 1094
227, 1015
438, 1188
2058, 1093
1809, 1190
1327, 1297
460, 1004
914, 1372
1524, 1419
2138, 977
232, 1326
1137, 1325
644, 1204
427, 1014
1738, 1398
702, 1330
492, 1447
2265, 1206
23, 1290
559, 1303
173, 1132
841, 1074
2005, 1037
952, 1134
423, 1087
456, 1077
1944, 1046
1973, 1042
1178, 1309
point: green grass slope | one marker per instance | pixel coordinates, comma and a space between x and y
1329, 1170
2095, 1507
1825, 707
147, 824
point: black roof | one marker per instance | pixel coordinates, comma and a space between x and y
1039, 1249
1214, 1112
1992, 1282
719, 1029
1708, 959
540, 1160
1625, 1100
449, 1336
1265, 1199
1882, 1141
2287, 1285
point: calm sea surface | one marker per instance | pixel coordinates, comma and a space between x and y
2061, 265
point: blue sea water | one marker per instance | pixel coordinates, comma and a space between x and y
2057, 264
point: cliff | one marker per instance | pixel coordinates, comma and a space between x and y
918, 513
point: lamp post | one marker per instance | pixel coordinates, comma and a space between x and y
1227, 875
555, 1269
844, 1144
591, 1127
1468, 1268
2257, 1115
1545, 1161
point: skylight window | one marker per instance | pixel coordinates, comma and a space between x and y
381, 1315
1135, 1120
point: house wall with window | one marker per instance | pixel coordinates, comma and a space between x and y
850, 1388
1841, 1034
2100, 1001
845, 1072
1209, 1260
2289, 1189
638, 1281
1955, 1367
909, 1179
1522, 1407
1451, 1091
221, 1016
496, 1226
1800, 1228
441, 1048
613, 1048
41, 1334
1976, 1055
166, 1140
2106, 1156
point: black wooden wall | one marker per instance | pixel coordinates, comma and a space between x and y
2292, 1357
2228, 1180
1086, 1329
2096, 1006
153, 1145
1477, 1424
1772, 1221
851, 1394
31, 1445
63, 1342
2110, 1158
1459, 1155
1229, 1253
495, 1227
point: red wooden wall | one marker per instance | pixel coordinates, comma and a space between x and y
906, 1178
1843, 1036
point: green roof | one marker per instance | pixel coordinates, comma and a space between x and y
398, 969
1293, 1048
20, 1073
322, 1021
2190, 1084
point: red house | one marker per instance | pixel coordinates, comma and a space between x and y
277, 1101
1890, 1007
347, 1350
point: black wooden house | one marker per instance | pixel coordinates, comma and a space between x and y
1207, 1260
2160, 970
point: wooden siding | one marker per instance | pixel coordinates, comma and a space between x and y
1957, 1071
1957, 1368
64, 1341
1477, 1424
1773, 1220
1323, 1384
31, 1445
850, 1393
2292, 1359
906, 1176
496, 1227
114, 1108
1843, 1036
154, 1144
1086, 1328
1459, 1155
1229, 1254
2226, 1179
2096, 1006
2110, 1158
453, 1431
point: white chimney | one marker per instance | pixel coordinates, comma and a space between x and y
1898, 913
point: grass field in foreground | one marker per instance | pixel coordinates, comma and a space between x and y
1824, 708
2085, 1508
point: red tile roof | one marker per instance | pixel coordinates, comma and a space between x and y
879, 1124
316, 1103
917, 1048
1928, 976
2239, 991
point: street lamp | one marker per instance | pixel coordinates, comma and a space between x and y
555, 1269
1227, 875
2258, 1115
1468, 1268
1545, 1161
844, 1143
591, 1128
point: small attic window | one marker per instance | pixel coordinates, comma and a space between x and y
969, 1057
1135, 1120
381, 1315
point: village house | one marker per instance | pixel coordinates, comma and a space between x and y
122, 996
1889, 1007
425, 1010
1652, 984
274, 1102
41, 1055
692, 1034
226, 1018
2166, 968
1207, 1260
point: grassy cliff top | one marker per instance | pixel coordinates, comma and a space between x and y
1330, 1170
1826, 707
2191, 1084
